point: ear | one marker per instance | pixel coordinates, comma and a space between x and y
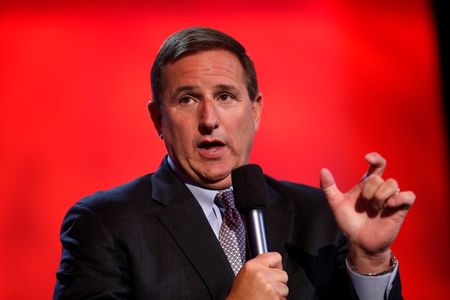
257, 106
155, 114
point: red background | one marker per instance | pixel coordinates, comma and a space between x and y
340, 79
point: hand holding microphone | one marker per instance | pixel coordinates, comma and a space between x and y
262, 277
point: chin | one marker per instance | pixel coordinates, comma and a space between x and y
218, 181
220, 185
217, 174
218, 177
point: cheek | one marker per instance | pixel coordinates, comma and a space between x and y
180, 131
244, 132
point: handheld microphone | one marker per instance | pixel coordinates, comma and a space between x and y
251, 197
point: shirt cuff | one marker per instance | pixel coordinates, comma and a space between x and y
372, 287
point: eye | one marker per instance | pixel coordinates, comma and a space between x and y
186, 100
225, 97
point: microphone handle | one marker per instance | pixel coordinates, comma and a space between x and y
256, 232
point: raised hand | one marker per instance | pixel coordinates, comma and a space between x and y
370, 214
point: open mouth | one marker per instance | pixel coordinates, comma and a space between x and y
209, 145
211, 149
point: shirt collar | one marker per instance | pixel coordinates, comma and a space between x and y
205, 197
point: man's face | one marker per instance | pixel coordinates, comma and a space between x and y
206, 117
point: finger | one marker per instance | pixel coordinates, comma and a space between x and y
370, 185
328, 185
406, 199
279, 276
282, 290
326, 179
377, 164
271, 260
385, 191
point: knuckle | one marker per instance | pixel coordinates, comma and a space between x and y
373, 179
277, 255
284, 291
378, 179
369, 190
260, 277
267, 288
392, 182
285, 276
411, 197
366, 193
378, 197
249, 266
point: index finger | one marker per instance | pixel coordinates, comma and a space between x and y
377, 164
271, 260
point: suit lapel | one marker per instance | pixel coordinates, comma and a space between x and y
186, 222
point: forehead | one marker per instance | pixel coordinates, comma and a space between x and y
204, 67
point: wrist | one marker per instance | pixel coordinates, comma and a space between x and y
363, 261
372, 265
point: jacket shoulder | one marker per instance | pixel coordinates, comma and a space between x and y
300, 194
121, 198
307, 204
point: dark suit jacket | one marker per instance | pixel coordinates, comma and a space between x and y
149, 239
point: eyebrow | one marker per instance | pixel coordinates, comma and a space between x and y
185, 88
228, 88
220, 87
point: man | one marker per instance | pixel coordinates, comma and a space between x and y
167, 235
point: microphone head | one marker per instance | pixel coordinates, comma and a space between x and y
249, 188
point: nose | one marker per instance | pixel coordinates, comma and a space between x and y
208, 117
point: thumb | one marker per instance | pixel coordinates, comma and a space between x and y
329, 187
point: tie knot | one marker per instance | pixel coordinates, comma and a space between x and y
225, 199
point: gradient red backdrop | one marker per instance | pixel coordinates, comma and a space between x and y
340, 79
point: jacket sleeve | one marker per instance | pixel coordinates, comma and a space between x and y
92, 264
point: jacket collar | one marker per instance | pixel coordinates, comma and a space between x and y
184, 219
